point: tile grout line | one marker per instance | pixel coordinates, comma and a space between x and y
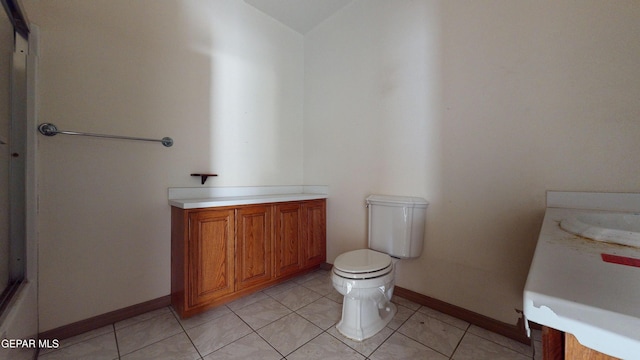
499, 344
292, 312
460, 341
296, 312
396, 329
268, 343
323, 331
393, 331
113, 327
421, 343
261, 327
255, 331
186, 333
466, 329
155, 342
310, 340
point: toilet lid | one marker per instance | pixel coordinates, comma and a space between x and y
362, 261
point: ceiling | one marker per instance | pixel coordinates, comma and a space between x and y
300, 15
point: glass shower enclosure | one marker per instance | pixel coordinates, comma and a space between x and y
18, 183
13, 114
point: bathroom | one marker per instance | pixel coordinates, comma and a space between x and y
477, 106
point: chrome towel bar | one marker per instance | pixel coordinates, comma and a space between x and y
48, 129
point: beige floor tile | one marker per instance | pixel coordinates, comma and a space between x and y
321, 284
274, 290
502, 340
335, 296
365, 347
310, 276
474, 347
325, 347
262, 313
17, 354
217, 333
323, 313
296, 297
247, 300
204, 317
102, 347
80, 338
433, 333
147, 332
401, 316
460, 324
143, 317
250, 347
400, 347
177, 347
300, 324
404, 302
289, 333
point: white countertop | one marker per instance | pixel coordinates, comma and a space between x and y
242, 200
570, 288
194, 198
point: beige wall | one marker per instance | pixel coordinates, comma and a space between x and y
221, 78
480, 107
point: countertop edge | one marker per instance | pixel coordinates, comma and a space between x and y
601, 339
242, 200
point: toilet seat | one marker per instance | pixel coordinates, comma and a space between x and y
362, 264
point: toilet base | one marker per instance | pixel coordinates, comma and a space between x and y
363, 318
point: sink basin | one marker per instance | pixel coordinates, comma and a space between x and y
617, 228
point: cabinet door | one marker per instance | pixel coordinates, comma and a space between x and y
314, 232
210, 249
288, 238
253, 245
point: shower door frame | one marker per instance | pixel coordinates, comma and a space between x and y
17, 166
19, 320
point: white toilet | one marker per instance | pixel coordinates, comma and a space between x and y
366, 277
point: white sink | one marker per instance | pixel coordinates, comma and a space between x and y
617, 228
588, 288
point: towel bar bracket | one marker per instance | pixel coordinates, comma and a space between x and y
203, 177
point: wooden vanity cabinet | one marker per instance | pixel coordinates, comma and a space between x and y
288, 238
219, 254
253, 246
211, 270
314, 247
300, 236
557, 345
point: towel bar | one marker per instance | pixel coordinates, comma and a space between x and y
48, 129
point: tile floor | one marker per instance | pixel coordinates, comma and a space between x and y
294, 320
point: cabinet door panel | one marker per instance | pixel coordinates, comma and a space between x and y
210, 255
314, 232
575, 350
288, 238
253, 245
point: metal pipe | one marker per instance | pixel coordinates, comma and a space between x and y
48, 129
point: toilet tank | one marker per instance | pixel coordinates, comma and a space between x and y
396, 224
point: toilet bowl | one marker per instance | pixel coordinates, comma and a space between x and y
366, 277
